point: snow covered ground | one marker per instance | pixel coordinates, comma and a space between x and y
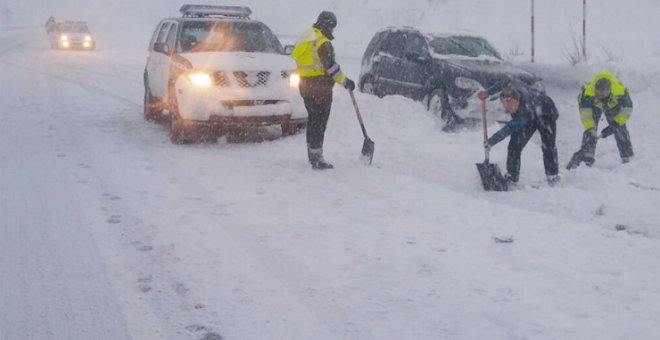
111, 232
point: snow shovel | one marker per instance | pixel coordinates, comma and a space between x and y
491, 177
369, 145
577, 156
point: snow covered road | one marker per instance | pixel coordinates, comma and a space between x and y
109, 231
54, 280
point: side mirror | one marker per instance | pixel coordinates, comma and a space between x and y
288, 49
465, 83
161, 47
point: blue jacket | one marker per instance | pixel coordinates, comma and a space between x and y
534, 105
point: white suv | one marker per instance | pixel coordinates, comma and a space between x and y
215, 70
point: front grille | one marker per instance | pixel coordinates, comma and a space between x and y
252, 79
220, 79
234, 103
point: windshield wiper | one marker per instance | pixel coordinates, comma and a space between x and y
470, 52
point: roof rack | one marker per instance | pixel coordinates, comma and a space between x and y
215, 11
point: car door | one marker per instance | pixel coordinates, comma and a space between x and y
157, 62
414, 67
171, 44
388, 63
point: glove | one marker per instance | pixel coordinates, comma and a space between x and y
482, 95
487, 146
349, 84
608, 131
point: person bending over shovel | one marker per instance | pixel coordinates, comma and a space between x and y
605, 96
530, 110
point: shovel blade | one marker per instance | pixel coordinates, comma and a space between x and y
491, 177
368, 150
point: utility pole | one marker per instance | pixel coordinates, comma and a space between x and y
532, 27
584, 29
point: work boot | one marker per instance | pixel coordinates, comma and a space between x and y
322, 165
316, 159
625, 160
511, 181
588, 161
552, 180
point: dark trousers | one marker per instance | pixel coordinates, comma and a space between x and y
547, 127
317, 95
621, 135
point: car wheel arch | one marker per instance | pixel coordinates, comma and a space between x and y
368, 78
432, 84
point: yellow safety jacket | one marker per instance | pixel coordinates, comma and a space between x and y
619, 101
306, 54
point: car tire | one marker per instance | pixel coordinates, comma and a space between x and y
286, 129
179, 134
438, 104
290, 129
152, 108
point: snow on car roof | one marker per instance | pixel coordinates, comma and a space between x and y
428, 34
218, 19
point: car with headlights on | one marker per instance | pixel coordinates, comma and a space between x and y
441, 71
214, 71
72, 35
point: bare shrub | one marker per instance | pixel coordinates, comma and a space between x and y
612, 56
573, 53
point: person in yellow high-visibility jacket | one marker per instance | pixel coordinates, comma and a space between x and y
604, 95
319, 71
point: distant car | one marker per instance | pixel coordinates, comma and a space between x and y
217, 71
439, 70
71, 35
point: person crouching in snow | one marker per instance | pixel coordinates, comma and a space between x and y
530, 110
605, 94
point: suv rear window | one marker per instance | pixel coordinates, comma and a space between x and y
205, 36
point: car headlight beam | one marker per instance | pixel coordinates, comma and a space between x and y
88, 38
294, 80
200, 79
64, 37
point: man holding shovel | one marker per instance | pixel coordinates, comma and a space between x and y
604, 95
530, 110
315, 57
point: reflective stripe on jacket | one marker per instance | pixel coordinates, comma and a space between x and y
618, 103
310, 62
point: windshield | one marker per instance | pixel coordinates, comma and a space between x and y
476, 46
208, 36
79, 28
449, 47
462, 45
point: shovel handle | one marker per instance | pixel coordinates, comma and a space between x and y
483, 119
485, 127
359, 116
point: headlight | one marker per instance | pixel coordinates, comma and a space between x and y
64, 37
200, 79
465, 83
294, 80
88, 38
